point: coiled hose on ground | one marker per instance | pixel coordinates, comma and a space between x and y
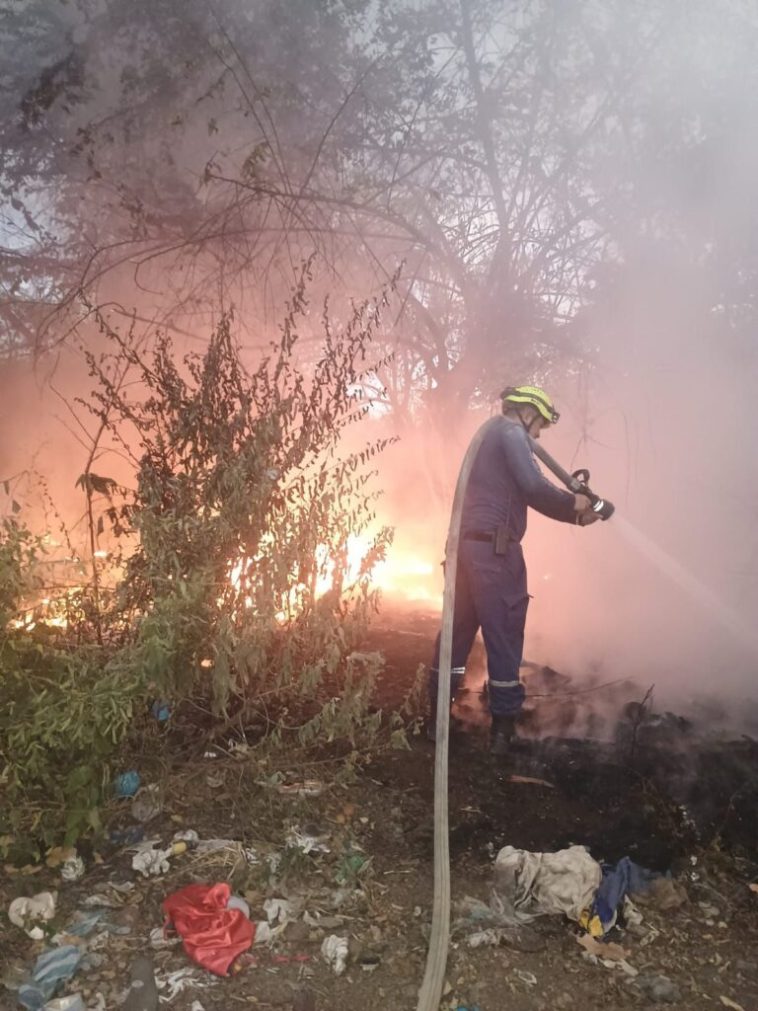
430, 993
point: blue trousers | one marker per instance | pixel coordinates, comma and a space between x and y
490, 593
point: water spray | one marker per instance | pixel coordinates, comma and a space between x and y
578, 482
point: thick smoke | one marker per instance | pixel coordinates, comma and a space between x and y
649, 349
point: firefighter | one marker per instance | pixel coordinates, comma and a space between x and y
490, 588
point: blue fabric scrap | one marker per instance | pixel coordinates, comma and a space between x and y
625, 878
51, 968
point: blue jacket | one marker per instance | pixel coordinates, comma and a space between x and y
505, 479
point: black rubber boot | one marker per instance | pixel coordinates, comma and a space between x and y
430, 723
501, 734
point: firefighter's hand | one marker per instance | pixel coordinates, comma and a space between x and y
583, 511
584, 519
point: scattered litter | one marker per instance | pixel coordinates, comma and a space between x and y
619, 964
84, 923
152, 862
237, 902
147, 803
202, 846
72, 868
278, 911
173, 983
324, 922
306, 842
351, 866
528, 885
369, 962
307, 788
263, 932
490, 937
213, 935
51, 968
159, 941
161, 710
188, 835
73, 1002
127, 784
619, 880
730, 1003
526, 977
28, 913
610, 951
101, 902
122, 887
632, 916
334, 951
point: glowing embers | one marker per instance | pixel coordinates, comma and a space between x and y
57, 611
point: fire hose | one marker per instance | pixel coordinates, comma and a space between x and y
432, 985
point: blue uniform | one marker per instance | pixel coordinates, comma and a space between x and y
490, 589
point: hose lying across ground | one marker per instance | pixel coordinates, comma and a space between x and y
430, 993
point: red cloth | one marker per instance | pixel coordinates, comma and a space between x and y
213, 935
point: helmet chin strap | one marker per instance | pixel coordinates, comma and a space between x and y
523, 423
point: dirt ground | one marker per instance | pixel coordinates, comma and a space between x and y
661, 795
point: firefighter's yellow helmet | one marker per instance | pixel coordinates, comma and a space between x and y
532, 395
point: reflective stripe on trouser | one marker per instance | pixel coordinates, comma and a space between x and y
490, 593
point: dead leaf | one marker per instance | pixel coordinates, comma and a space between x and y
59, 855
730, 1003
530, 780
612, 951
25, 872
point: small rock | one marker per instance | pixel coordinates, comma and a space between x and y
658, 989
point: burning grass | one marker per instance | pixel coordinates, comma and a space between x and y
235, 574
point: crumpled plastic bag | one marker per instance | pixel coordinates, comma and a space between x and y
50, 969
528, 885
28, 913
334, 950
213, 934
151, 862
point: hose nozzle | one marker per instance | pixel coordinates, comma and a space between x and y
578, 482
603, 508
